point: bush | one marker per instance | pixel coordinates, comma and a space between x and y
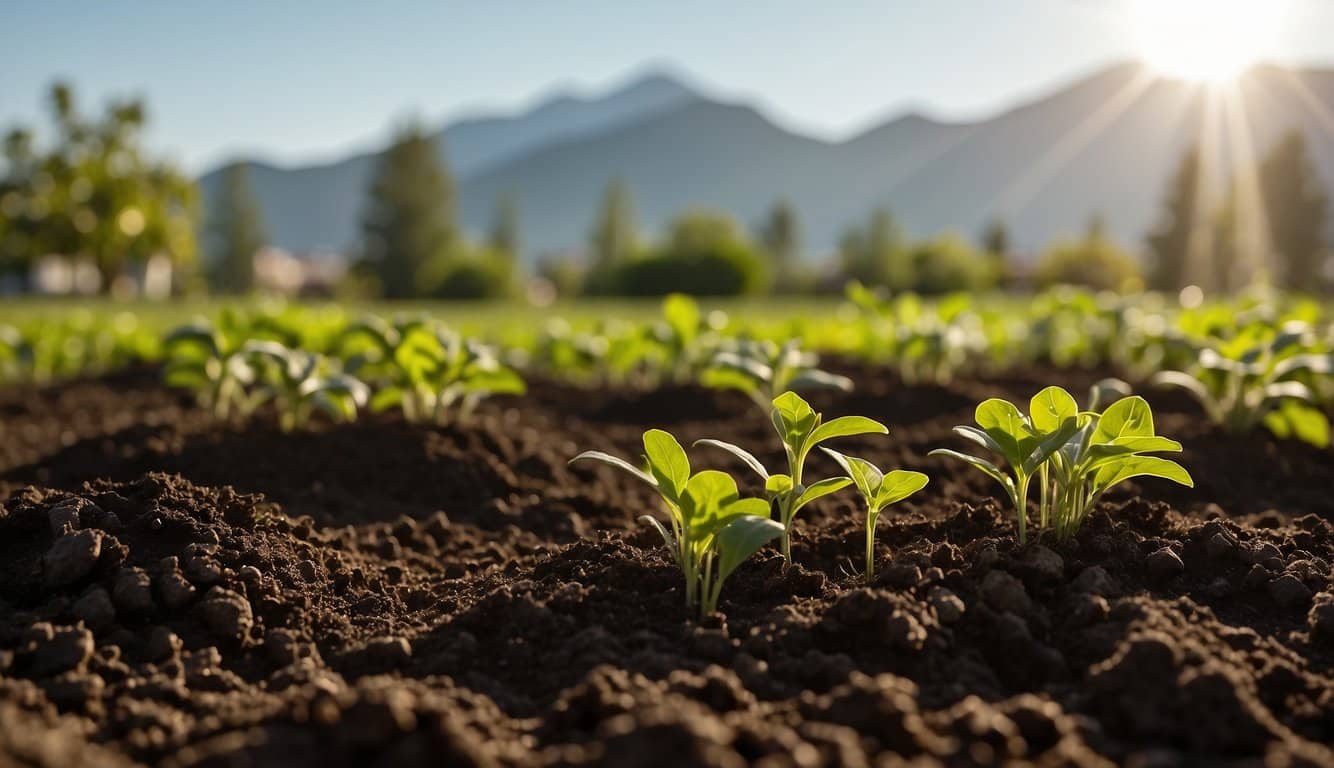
481, 273
1093, 262
948, 264
705, 255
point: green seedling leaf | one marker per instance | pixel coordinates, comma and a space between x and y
1003, 422
991, 470
793, 418
1128, 417
821, 488
619, 463
1051, 408
846, 426
898, 485
667, 461
1141, 466
741, 453
865, 475
741, 538
778, 484
667, 537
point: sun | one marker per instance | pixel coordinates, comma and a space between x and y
1206, 40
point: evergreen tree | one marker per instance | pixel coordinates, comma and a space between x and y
1176, 236
996, 239
614, 235
410, 217
781, 237
1297, 211
236, 232
505, 230
875, 255
614, 238
1227, 246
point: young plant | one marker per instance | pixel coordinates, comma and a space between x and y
685, 337
1108, 448
878, 489
15, 354
712, 529
764, 370
297, 385
800, 429
214, 363
1249, 382
1024, 442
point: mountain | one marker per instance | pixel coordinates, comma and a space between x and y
1105, 144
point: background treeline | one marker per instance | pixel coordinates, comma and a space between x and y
92, 193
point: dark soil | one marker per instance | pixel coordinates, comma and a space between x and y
177, 593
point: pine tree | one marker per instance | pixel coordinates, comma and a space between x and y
1178, 234
505, 230
236, 232
410, 217
781, 237
996, 239
613, 239
1297, 211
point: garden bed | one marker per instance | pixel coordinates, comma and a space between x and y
380, 593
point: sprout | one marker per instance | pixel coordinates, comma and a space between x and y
711, 530
298, 387
764, 370
800, 429
1076, 456
213, 362
1252, 381
878, 489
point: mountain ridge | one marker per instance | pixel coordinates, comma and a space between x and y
1104, 142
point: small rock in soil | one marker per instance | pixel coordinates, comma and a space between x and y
1321, 617
1096, 581
69, 648
177, 591
162, 644
133, 591
64, 517
1044, 563
95, 609
949, 607
389, 651
1006, 593
1258, 553
1164, 564
226, 613
71, 558
202, 571
1220, 545
1289, 592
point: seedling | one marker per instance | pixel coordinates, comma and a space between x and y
878, 489
764, 370
212, 362
800, 429
712, 529
685, 336
1024, 442
15, 354
1075, 455
297, 385
1251, 381
1107, 448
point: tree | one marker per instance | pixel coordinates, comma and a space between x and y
996, 244
94, 193
781, 237
1296, 208
1174, 241
948, 263
410, 217
506, 239
236, 232
614, 238
1093, 262
705, 254
875, 255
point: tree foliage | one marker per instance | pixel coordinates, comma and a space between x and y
1093, 261
93, 192
1172, 239
410, 218
1297, 211
236, 231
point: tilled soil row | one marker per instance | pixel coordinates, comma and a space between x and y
176, 593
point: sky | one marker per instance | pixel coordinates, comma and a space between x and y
301, 82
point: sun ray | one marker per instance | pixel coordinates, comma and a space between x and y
1200, 236
1020, 192
1253, 237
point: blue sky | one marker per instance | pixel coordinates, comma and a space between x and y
296, 82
